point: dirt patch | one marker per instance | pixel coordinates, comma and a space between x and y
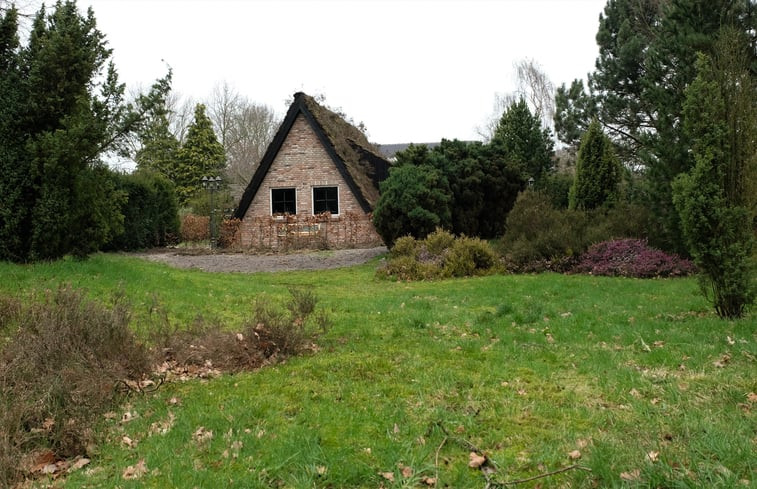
249, 263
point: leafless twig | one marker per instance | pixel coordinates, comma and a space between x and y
546, 474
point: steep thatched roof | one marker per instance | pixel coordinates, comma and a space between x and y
357, 160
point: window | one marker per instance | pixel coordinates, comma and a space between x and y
283, 201
325, 199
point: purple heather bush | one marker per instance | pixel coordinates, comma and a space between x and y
631, 258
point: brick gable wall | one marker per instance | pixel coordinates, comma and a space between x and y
303, 163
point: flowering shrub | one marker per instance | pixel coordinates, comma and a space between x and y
631, 258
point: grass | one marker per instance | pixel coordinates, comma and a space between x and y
639, 376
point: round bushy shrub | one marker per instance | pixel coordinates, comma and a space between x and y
469, 256
631, 258
405, 246
440, 255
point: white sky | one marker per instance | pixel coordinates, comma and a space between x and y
412, 71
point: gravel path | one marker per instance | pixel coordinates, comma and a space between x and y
248, 263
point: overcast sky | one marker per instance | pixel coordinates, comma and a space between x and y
412, 71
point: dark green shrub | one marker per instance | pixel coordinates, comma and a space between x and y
150, 212
539, 233
557, 187
540, 237
414, 201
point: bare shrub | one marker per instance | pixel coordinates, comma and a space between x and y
58, 373
229, 233
271, 333
195, 228
287, 333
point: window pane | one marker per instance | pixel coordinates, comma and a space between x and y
325, 199
283, 201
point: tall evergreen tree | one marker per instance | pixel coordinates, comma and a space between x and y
62, 106
201, 155
647, 52
15, 181
520, 138
597, 171
713, 198
159, 147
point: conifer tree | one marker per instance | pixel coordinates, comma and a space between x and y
520, 138
61, 107
597, 171
714, 197
201, 155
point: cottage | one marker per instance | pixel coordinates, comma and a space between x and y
316, 185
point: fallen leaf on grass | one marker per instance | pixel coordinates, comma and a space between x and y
723, 361
321, 470
429, 481
476, 460
407, 472
78, 463
128, 442
634, 393
387, 475
574, 455
202, 435
751, 397
653, 455
164, 426
135, 471
632, 475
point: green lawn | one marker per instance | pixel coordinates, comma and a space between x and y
636, 380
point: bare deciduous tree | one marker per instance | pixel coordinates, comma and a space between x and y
244, 128
180, 113
532, 85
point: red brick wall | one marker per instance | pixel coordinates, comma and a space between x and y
303, 163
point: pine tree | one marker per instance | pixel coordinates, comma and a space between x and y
647, 53
520, 138
201, 155
597, 171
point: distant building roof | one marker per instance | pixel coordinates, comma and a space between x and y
389, 151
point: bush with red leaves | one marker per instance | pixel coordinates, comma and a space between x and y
631, 258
